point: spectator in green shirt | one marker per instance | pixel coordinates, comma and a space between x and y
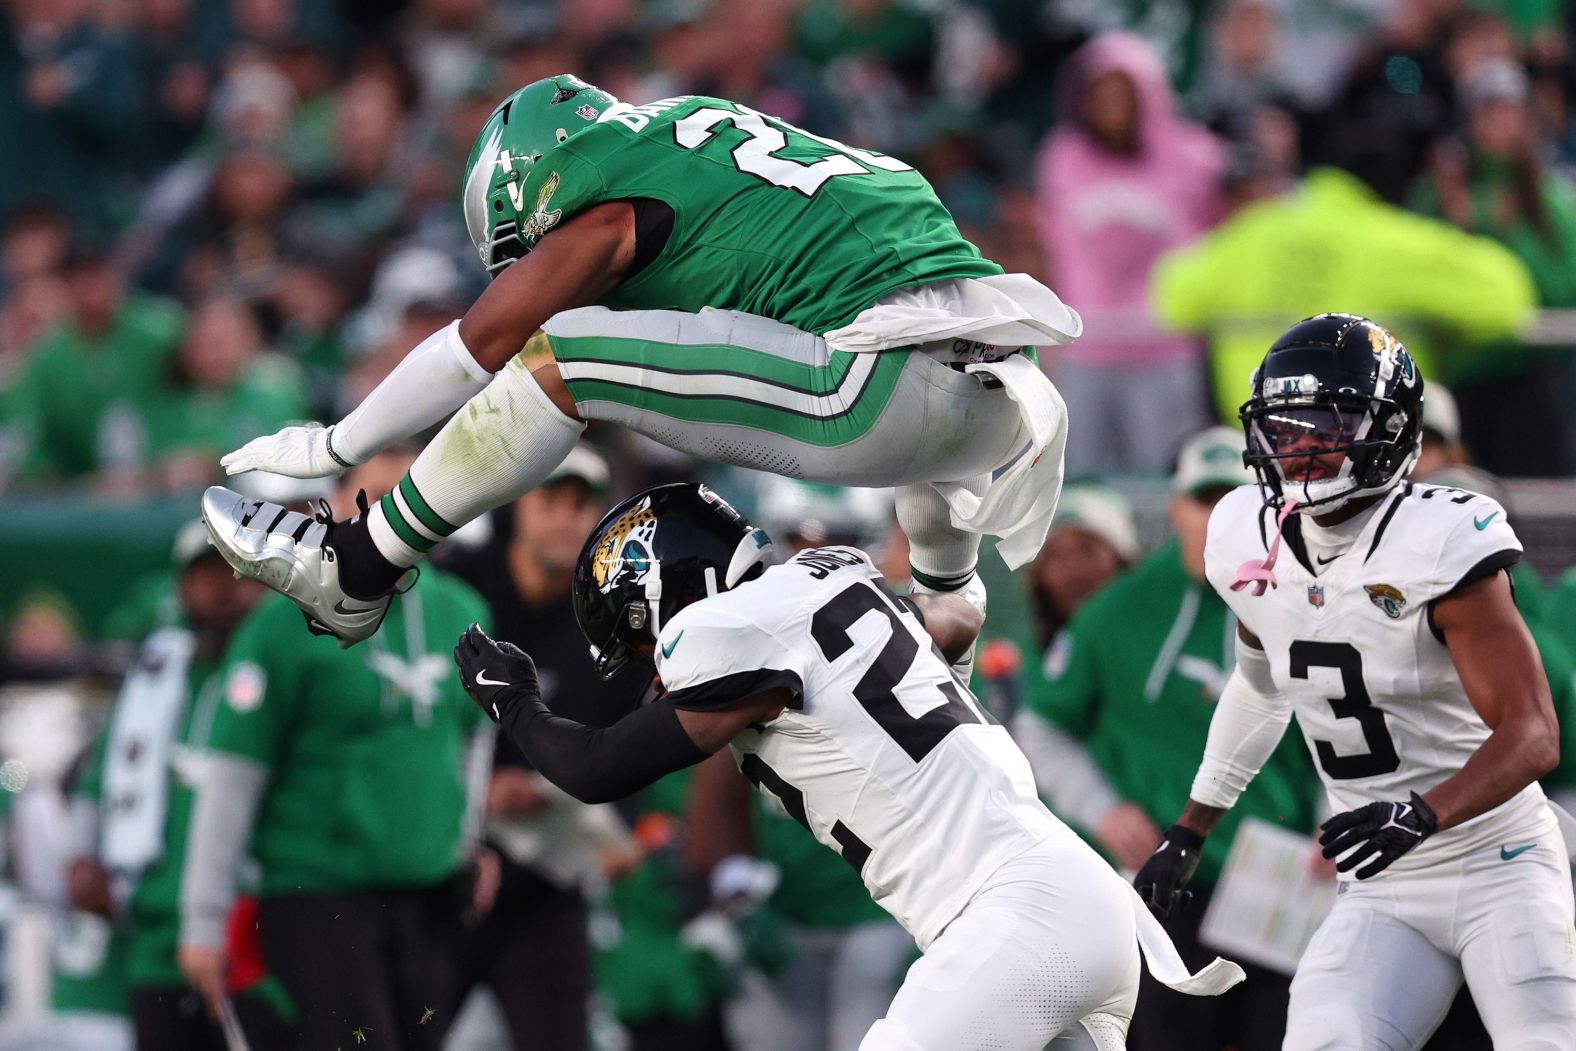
354, 778
133, 809
85, 389
223, 386
1113, 726
665, 988
1092, 540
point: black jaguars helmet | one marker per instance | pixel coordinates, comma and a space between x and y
1336, 413
651, 556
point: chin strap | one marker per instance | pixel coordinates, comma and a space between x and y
1260, 572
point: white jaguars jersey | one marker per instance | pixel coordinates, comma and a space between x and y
1374, 690
882, 755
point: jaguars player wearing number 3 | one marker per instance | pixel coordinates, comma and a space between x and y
838, 703
1392, 633
721, 281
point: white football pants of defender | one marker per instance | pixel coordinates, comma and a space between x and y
1045, 956
739, 389
1383, 967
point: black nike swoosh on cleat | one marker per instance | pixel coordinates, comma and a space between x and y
339, 607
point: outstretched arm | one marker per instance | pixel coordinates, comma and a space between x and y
576, 265
596, 765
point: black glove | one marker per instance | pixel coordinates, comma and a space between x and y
1163, 880
1385, 830
497, 675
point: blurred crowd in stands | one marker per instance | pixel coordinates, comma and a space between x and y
218, 216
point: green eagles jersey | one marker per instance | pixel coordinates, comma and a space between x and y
767, 219
365, 747
1136, 675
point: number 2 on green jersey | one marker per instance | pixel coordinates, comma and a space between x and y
767, 135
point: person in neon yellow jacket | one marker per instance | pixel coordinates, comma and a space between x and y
1335, 244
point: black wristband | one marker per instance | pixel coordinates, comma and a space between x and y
328, 443
1425, 815
1184, 837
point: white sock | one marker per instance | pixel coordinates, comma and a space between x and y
500, 444
942, 556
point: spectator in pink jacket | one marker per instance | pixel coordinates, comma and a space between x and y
1121, 179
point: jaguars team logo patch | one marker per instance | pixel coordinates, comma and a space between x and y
541, 220
626, 553
1387, 598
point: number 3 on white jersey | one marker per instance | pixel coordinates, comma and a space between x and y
767, 135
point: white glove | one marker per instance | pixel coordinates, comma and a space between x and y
296, 452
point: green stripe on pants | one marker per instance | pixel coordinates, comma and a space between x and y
851, 419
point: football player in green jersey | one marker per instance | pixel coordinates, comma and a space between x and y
721, 281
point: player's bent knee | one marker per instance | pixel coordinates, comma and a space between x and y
552, 384
1536, 946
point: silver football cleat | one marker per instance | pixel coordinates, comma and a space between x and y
284, 549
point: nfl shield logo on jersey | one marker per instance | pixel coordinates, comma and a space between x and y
1387, 598
1316, 595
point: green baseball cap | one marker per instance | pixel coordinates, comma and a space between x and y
1211, 459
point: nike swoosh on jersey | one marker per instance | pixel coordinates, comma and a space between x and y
1326, 561
1482, 523
483, 680
1506, 855
667, 651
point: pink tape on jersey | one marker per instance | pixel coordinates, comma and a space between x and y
1260, 572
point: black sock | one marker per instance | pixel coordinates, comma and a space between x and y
364, 572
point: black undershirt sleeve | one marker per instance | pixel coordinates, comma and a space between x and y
725, 691
653, 227
601, 765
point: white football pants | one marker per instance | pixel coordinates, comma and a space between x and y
1383, 967
1045, 956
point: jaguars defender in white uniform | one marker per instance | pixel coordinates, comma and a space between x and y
838, 702
1392, 634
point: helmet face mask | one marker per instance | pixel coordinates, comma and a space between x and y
1336, 414
652, 555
